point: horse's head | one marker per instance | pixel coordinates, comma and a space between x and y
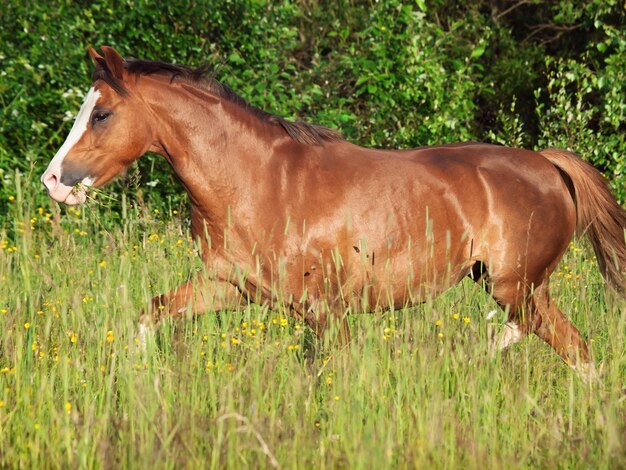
110, 132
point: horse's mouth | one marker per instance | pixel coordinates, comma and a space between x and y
78, 195
71, 195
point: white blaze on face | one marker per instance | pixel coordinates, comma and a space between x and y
52, 176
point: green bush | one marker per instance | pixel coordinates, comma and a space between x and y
386, 74
586, 110
397, 79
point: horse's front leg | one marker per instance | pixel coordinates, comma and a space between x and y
320, 319
195, 297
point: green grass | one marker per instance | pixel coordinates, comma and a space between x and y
254, 389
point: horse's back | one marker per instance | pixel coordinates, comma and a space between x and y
477, 185
512, 175
492, 158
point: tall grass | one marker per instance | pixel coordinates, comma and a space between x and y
253, 388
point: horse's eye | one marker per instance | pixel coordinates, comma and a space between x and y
100, 116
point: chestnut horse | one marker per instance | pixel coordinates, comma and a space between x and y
293, 216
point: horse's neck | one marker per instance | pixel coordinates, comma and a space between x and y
217, 149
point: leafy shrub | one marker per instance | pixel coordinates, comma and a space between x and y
384, 73
586, 110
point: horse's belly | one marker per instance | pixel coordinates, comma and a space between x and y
365, 280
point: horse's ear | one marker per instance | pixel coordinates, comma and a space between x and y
114, 62
94, 55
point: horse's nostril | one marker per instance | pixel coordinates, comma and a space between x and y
50, 181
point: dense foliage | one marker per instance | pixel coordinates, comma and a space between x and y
402, 74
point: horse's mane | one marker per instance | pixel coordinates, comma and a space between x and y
300, 131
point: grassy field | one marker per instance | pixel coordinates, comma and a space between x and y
253, 388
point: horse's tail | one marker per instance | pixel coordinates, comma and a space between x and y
598, 214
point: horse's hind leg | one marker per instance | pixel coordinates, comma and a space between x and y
509, 298
531, 310
501, 340
513, 297
556, 330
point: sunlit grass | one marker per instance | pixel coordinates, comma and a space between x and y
415, 388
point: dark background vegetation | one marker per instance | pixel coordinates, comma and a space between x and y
386, 74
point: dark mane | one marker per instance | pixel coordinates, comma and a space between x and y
299, 131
